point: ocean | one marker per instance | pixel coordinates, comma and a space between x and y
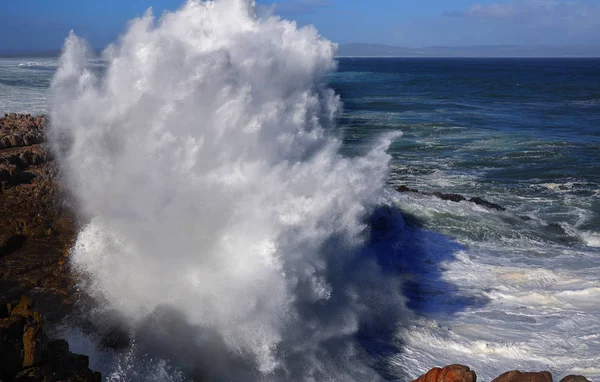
515, 289
494, 290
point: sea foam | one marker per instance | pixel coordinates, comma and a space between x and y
221, 221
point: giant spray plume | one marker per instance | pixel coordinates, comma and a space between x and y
205, 165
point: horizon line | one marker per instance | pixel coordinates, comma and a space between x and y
414, 51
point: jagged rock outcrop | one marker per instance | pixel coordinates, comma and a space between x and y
454, 198
28, 354
461, 373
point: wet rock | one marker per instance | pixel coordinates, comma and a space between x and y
486, 204
451, 197
452, 373
517, 376
454, 198
28, 355
574, 378
404, 188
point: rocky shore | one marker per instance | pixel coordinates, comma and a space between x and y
36, 233
37, 226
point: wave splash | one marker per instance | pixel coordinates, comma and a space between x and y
221, 216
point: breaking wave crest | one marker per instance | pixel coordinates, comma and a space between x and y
223, 226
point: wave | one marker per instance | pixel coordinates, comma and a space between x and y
36, 64
224, 228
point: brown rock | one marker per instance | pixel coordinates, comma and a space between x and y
36, 221
21, 129
517, 376
33, 340
452, 373
37, 226
575, 378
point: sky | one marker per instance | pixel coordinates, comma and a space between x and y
37, 25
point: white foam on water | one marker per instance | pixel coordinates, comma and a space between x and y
222, 224
39, 63
516, 301
24, 85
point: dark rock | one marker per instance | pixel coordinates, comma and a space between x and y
11, 345
485, 203
27, 355
517, 376
11, 243
452, 373
451, 197
404, 188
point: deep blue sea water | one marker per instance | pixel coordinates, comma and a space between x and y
515, 122
496, 290
521, 289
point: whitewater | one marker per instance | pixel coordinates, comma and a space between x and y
223, 226
235, 189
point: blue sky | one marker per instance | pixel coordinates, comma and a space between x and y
43, 24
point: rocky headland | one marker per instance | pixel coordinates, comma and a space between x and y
37, 230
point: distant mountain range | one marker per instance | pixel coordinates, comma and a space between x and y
379, 50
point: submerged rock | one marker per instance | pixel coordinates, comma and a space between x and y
485, 203
454, 198
451, 197
404, 188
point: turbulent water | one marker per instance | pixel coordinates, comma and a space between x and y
239, 225
504, 290
24, 84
